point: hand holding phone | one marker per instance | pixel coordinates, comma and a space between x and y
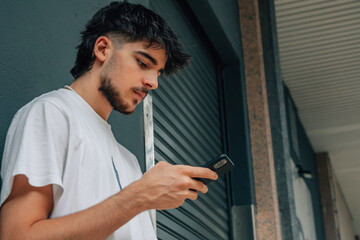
221, 165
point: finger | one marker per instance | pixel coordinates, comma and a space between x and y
200, 172
198, 186
193, 195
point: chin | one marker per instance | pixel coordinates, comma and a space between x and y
129, 112
125, 108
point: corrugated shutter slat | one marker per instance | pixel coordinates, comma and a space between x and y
187, 130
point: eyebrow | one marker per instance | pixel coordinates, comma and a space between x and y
148, 56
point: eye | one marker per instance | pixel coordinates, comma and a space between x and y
142, 64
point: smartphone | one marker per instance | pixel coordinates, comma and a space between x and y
221, 165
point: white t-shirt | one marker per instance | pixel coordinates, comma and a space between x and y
59, 139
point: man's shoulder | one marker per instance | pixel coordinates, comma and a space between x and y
53, 101
58, 98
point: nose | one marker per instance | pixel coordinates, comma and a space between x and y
151, 81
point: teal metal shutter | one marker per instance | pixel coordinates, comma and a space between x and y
188, 130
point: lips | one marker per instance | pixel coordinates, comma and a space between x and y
140, 94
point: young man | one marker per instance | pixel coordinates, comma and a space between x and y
64, 175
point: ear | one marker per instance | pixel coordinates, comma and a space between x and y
102, 48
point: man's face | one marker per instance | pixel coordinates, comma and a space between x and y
130, 73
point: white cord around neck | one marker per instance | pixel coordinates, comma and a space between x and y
69, 88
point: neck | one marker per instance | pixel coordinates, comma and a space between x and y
87, 86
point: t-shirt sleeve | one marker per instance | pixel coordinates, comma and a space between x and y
36, 146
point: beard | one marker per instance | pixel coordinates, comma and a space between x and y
114, 97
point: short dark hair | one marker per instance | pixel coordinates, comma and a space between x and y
133, 22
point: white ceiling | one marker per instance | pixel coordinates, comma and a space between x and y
319, 44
